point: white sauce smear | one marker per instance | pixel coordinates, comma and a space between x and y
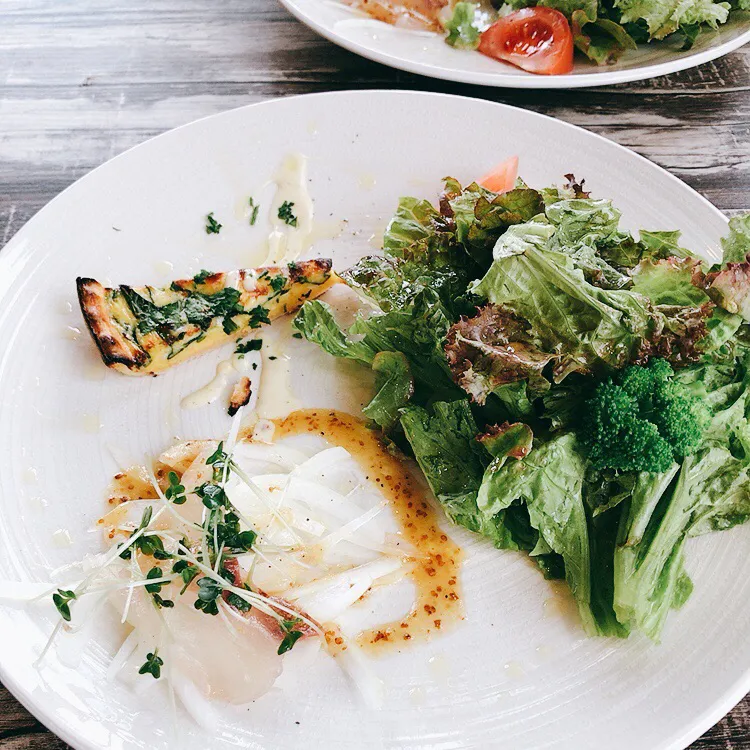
242, 365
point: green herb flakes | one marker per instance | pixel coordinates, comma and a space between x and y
212, 226
286, 214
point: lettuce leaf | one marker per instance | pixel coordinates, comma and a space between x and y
395, 387
416, 227
602, 40
588, 326
453, 461
417, 332
736, 244
316, 323
463, 26
482, 216
663, 17
493, 349
550, 482
671, 281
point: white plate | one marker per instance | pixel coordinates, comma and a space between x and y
426, 53
516, 674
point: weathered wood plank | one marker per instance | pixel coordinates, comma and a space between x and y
84, 80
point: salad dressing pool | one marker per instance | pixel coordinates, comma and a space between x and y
436, 571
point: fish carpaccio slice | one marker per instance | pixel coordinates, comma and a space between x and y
424, 14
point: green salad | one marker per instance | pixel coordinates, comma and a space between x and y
601, 29
569, 391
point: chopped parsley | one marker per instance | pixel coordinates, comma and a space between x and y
200, 278
194, 308
258, 316
152, 665
296, 335
286, 214
278, 283
252, 345
253, 211
212, 226
62, 601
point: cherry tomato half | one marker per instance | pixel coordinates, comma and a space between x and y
535, 39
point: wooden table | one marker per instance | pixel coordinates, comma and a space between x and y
82, 80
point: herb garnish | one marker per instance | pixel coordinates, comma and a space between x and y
252, 345
278, 283
200, 278
212, 226
213, 495
258, 316
155, 588
62, 601
253, 212
236, 601
152, 665
195, 308
149, 545
291, 635
186, 571
286, 215
175, 492
209, 591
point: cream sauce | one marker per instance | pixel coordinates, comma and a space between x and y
285, 242
276, 397
245, 365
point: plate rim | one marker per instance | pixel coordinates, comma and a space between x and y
733, 694
504, 80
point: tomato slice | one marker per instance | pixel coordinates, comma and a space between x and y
503, 177
535, 39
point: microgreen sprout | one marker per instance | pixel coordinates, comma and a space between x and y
291, 635
62, 601
175, 492
152, 665
155, 588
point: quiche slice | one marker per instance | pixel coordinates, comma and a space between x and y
145, 330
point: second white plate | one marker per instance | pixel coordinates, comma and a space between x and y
427, 53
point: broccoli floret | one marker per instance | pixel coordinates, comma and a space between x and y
642, 420
679, 416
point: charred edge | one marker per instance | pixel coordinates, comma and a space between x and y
188, 285
100, 324
309, 269
240, 396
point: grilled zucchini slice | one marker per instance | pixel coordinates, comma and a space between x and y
145, 330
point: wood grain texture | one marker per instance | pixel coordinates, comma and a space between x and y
83, 80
